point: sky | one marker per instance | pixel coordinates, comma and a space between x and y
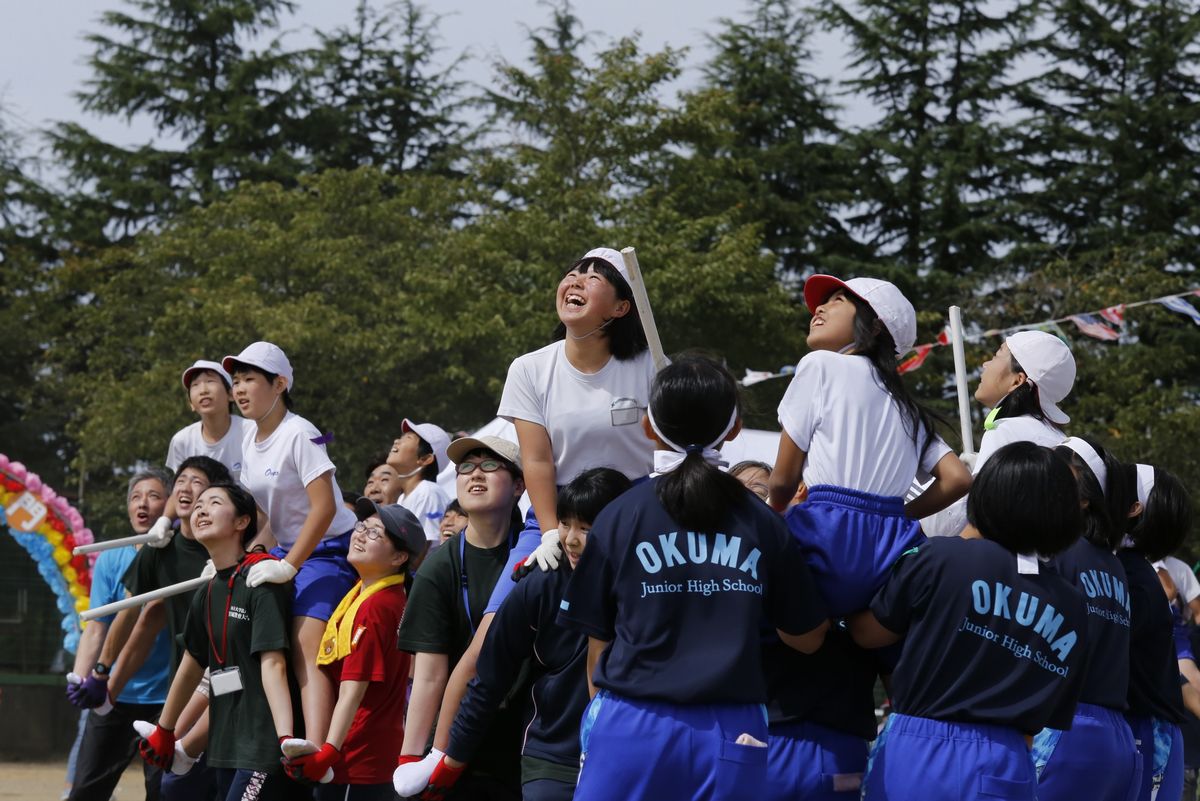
43, 53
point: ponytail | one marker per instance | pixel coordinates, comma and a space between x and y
693, 403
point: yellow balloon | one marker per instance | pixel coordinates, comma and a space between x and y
54, 537
62, 556
81, 604
69, 575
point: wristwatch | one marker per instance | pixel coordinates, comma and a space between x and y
102, 670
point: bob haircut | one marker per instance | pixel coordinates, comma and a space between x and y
625, 336
1161, 527
243, 505
589, 492
1026, 499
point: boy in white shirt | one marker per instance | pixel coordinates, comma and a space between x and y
417, 457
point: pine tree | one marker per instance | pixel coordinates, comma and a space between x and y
376, 97
222, 111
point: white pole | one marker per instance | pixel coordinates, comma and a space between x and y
960, 378
642, 300
146, 597
108, 545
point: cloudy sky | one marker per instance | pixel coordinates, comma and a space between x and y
42, 51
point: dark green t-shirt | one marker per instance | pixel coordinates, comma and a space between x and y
153, 568
435, 622
242, 729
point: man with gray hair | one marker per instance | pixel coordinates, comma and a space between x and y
109, 741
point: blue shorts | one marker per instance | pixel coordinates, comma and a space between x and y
920, 759
1097, 753
642, 749
814, 762
198, 784
1183, 642
850, 540
1160, 744
323, 579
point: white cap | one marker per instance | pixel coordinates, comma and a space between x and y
1092, 459
204, 364
1048, 363
611, 256
265, 356
437, 439
1145, 483
889, 304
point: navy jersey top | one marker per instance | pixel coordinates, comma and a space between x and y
682, 608
1153, 668
525, 630
985, 642
1099, 575
834, 687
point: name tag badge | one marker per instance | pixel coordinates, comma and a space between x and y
625, 412
226, 681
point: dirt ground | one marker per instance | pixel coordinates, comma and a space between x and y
43, 781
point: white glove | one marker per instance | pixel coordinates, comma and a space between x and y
162, 532
969, 460
294, 746
181, 763
411, 778
546, 555
270, 571
209, 571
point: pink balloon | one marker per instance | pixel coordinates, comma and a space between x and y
33, 482
75, 519
4, 462
48, 495
61, 505
18, 470
85, 536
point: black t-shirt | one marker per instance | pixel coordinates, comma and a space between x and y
179, 560
1153, 666
525, 629
242, 728
682, 608
435, 622
984, 643
1098, 574
1191, 724
834, 687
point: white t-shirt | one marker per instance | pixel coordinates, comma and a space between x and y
189, 442
277, 470
427, 503
851, 429
1185, 580
594, 420
953, 519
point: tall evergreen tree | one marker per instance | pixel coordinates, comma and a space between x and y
222, 110
376, 96
765, 140
935, 166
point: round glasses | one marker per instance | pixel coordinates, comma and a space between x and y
486, 465
372, 532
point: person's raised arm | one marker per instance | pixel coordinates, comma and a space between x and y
785, 478
537, 463
430, 672
951, 481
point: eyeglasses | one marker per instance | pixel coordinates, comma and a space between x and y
372, 532
486, 465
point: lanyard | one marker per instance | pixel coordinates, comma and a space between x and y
220, 657
462, 574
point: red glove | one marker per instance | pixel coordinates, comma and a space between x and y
313, 767
404, 759
442, 781
159, 748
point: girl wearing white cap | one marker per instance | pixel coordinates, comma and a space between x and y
286, 468
1023, 383
856, 436
1160, 519
576, 404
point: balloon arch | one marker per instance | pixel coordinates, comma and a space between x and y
48, 528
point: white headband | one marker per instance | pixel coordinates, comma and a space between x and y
1145, 483
666, 461
1092, 459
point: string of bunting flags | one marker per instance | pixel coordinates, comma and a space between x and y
1103, 324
